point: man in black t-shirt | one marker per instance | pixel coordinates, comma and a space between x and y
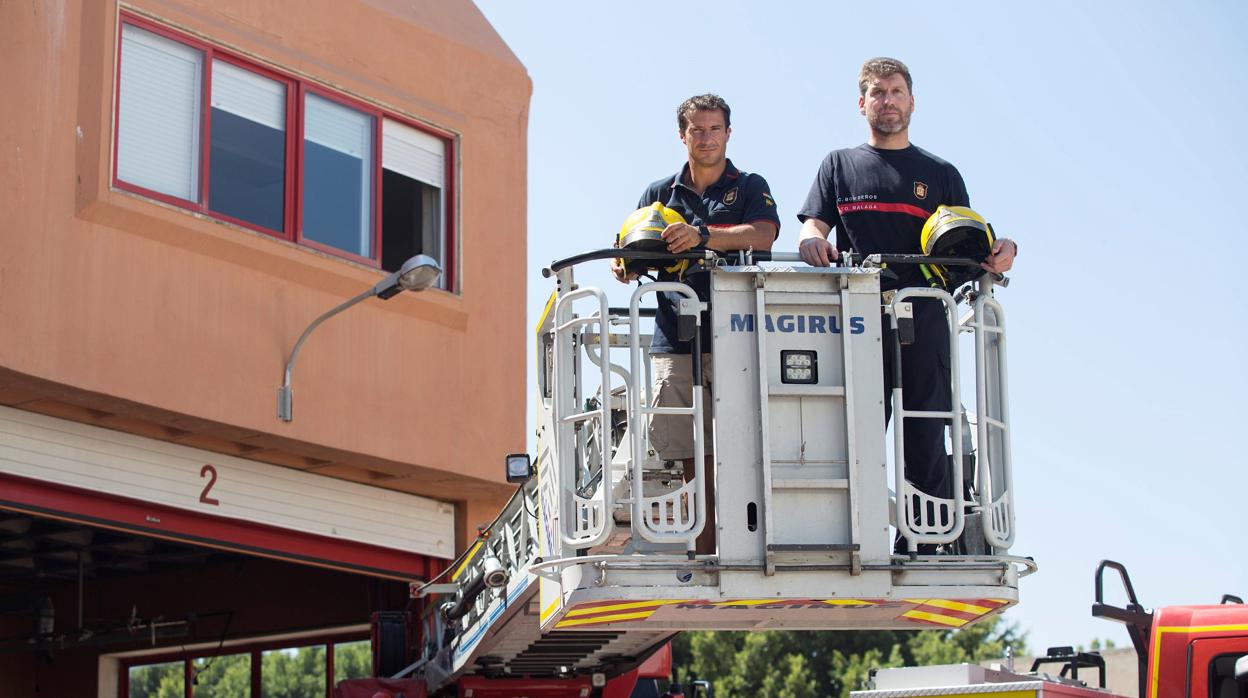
878, 196
725, 209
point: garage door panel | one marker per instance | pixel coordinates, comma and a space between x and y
125, 465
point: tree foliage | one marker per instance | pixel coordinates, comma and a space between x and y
222, 677
353, 660
792, 664
1097, 645
158, 681
293, 673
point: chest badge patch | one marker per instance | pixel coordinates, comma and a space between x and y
730, 197
920, 190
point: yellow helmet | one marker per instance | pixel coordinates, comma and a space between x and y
643, 230
955, 231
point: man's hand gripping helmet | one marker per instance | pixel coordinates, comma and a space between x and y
643, 230
955, 231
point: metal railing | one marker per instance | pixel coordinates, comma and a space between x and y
996, 480
584, 446
924, 518
676, 516
585, 520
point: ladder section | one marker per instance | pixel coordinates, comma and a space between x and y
809, 502
467, 610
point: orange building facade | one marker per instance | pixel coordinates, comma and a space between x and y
186, 185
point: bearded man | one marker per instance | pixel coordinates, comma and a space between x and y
878, 196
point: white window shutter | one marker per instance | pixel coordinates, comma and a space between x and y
335, 126
413, 153
158, 122
249, 95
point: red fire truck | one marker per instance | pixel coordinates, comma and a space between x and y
1183, 652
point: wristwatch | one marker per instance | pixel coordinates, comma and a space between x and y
705, 233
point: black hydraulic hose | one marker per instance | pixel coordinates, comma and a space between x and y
643, 312
922, 259
757, 256
892, 320
461, 606
697, 359
616, 253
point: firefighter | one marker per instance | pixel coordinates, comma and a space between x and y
878, 196
720, 208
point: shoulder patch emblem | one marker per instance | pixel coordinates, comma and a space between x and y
920, 190
768, 200
730, 196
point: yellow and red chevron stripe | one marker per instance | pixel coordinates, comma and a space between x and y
785, 603
853, 603
602, 612
949, 613
619, 611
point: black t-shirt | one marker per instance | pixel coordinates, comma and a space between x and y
736, 197
879, 199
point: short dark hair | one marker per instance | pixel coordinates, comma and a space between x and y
882, 67
706, 102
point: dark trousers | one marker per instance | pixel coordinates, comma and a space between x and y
925, 386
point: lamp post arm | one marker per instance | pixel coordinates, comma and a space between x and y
284, 396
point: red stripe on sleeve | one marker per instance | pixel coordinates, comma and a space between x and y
856, 206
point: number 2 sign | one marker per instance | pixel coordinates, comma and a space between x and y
209, 472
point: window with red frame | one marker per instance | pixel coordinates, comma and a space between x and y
305, 669
205, 130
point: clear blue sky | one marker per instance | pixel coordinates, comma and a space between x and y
1106, 137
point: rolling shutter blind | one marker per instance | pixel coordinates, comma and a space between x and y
341, 128
413, 153
158, 129
248, 95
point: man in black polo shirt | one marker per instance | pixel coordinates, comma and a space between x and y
724, 209
878, 196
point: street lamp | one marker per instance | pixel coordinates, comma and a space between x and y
416, 274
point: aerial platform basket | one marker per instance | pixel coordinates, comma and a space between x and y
802, 506
597, 557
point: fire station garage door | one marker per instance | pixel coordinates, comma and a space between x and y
65, 470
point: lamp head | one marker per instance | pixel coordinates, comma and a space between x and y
417, 274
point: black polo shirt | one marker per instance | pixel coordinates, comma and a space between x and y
736, 197
878, 201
